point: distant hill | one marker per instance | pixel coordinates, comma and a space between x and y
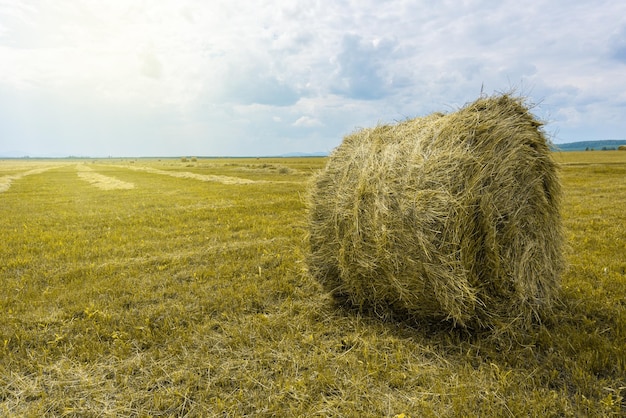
589, 145
12, 154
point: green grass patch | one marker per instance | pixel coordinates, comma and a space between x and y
182, 297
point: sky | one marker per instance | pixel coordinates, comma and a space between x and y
269, 77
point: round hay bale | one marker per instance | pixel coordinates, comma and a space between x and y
450, 216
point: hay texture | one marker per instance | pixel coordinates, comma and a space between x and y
451, 216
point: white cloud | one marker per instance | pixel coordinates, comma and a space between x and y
617, 44
214, 73
307, 122
150, 65
362, 68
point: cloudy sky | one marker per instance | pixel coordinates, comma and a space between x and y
267, 77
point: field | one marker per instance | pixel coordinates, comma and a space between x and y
146, 288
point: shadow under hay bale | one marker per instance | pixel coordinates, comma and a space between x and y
451, 217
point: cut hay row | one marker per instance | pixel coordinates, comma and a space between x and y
5, 181
443, 217
101, 181
193, 253
195, 176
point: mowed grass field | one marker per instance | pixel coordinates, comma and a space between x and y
155, 288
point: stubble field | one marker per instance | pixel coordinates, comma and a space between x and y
169, 288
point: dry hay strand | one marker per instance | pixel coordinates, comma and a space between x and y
5, 181
101, 181
446, 217
195, 176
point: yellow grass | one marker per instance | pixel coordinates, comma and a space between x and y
101, 181
183, 298
7, 179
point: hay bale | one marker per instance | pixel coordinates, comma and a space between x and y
443, 217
